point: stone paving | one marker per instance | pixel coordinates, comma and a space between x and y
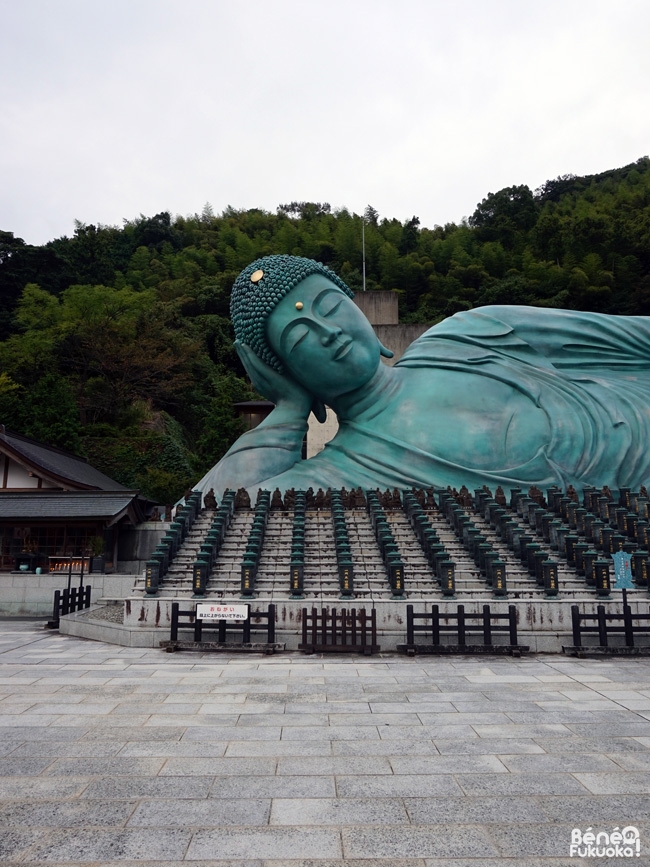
122, 756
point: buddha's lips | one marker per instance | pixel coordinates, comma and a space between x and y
343, 349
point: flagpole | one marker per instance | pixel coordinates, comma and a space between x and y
363, 250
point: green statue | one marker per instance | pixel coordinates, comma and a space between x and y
511, 396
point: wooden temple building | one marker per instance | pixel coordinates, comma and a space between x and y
54, 505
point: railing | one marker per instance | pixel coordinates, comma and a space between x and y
608, 624
221, 634
68, 601
344, 631
463, 628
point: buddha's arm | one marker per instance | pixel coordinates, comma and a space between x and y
273, 446
266, 451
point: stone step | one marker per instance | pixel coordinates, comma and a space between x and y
321, 578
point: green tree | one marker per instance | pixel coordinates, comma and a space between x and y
504, 215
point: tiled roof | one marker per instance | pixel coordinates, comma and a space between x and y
56, 463
39, 504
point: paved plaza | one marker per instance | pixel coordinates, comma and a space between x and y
122, 756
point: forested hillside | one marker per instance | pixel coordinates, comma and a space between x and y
117, 344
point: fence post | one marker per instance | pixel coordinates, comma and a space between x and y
512, 624
602, 626
314, 626
435, 625
410, 635
304, 626
174, 627
221, 635
56, 608
362, 623
461, 625
487, 626
627, 623
270, 635
575, 623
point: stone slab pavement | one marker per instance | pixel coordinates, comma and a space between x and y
120, 756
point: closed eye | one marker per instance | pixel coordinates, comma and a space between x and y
296, 336
333, 309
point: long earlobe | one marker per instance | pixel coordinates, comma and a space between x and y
387, 353
318, 408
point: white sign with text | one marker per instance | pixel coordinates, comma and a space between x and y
218, 611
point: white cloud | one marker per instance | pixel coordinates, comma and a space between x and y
420, 107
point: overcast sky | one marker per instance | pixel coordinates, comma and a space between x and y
418, 107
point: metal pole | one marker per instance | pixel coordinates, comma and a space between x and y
363, 250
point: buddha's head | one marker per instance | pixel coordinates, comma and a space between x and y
299, 318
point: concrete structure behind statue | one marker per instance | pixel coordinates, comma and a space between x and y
382, 311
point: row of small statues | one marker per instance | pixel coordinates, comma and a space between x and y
355, 499
322, 500
465, 499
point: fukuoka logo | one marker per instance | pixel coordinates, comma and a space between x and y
624, 843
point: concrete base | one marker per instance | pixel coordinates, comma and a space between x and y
544, 625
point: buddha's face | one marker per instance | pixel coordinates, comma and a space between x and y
323, 339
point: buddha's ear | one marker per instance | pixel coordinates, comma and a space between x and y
387, 353
318, 408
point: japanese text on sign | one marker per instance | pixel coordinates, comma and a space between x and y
231, 613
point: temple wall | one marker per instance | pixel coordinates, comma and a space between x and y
380, 308
398, 338
18, 477
14, 475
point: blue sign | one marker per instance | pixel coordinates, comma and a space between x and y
623, 571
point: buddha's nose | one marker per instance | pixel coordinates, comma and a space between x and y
330, 333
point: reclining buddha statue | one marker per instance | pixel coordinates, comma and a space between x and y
500, 395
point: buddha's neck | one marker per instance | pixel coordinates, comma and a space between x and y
371, 399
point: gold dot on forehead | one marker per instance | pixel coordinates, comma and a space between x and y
256, 276
299, 305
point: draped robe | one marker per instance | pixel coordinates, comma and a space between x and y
588, 373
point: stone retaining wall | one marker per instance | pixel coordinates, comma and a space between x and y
544, 625
26, 595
